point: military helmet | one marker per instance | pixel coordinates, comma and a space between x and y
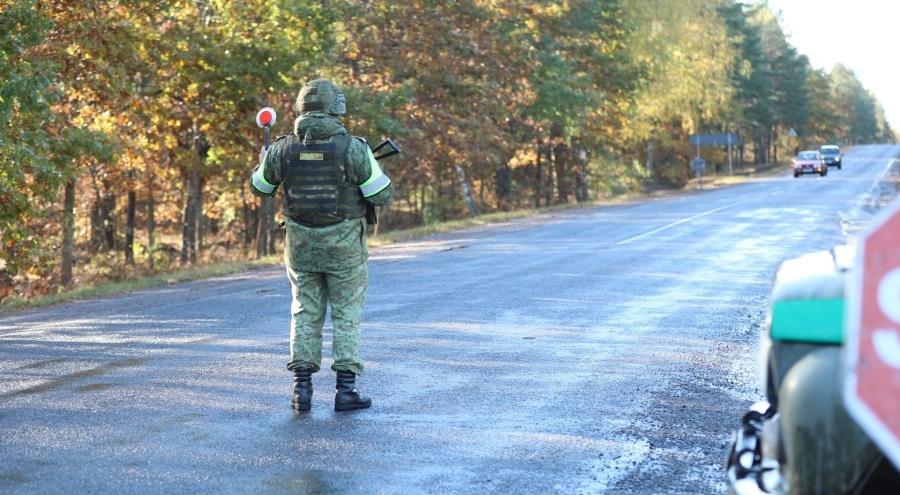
321, 95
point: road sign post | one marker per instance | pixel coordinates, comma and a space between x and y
872, 374
730, 166
726, 139
698, 165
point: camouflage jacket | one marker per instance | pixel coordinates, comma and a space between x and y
334, 247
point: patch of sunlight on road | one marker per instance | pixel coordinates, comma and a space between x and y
411, 250
622, 456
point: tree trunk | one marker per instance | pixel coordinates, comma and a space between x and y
151, 222
68, 231
129, 226
548, 190
560, 163
189, 219
581, 187
193, 207
760, 148
263, 218
96, 223
106, 221
385, 216
96, 230
581, 184
467, 191
481, 181
245, 243
502, 180
273, 230
420, 204
561, 156
199, 213
416, 192
108, 212
774, 145
538, 192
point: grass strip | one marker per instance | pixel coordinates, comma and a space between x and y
200, 272
103, 289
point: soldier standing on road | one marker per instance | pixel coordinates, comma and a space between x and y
329, 178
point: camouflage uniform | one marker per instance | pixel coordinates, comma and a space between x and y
315, 284
325, 251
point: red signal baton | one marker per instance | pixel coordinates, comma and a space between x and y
265, 118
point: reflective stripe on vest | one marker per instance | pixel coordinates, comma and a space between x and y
377, 180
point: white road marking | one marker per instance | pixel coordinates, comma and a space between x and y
690, 219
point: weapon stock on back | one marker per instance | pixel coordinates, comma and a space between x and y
385, 149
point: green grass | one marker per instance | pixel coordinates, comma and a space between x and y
200, 272
226, 268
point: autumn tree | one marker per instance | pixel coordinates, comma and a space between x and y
28, 177
127, 135
687, 58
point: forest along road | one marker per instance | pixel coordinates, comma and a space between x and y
600, 350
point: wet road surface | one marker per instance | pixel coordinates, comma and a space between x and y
604, 350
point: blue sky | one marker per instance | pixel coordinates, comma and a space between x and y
864, 35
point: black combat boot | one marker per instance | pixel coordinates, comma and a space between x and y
348, 397
302, 400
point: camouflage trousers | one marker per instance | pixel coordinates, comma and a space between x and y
345, 291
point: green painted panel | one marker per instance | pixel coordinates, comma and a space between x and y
812, 320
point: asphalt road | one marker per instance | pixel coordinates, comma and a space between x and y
604, 350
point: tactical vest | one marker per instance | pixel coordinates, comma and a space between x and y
314, 183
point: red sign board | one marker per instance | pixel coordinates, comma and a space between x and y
872, 382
